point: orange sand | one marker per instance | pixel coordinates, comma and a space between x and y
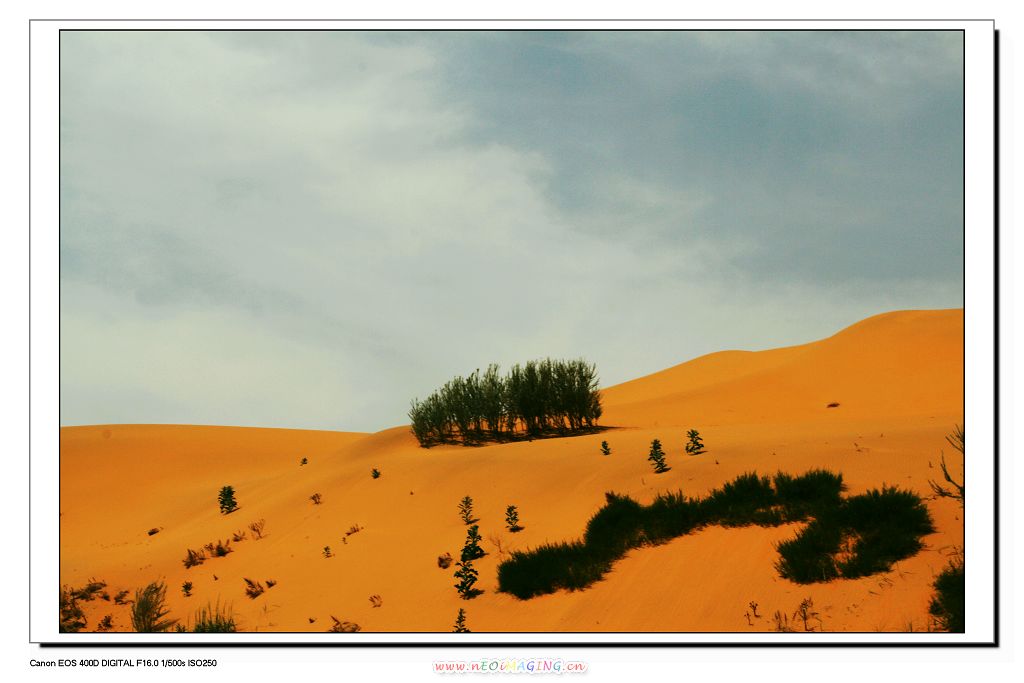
898, 378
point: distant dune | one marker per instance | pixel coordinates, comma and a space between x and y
897, 379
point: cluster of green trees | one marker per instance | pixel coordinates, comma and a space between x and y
545, 396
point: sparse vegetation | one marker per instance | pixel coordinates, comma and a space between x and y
119, 599
376, 600
227, 501
149, 610
304, 461
375, 473
354, 529
253, 589
833, 404
194, 558
955, 489
72, 617
89, 591
444, 561
106, 623
271, 583
605, 449
315, 498
153, 531
538, 398
888, 523
186, 589
343, 626
512, 519
327, 551
472, 550
657, 457
805, 612
467, 576
947, 606
694, 444
460, 622
466, 510
257, 528
214, 619
238, 536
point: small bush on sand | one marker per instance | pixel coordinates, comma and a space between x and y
444, 561
327, 552
605, 449
186, 589
72, 618
467, 576
214, 619
119, 599
106, 623
375, 473
227, 501
512, 518
149, 610
238, 536
694, 445
89, 591
657, 457
460, 622
153, 531
947, 605
257, 528
194, 558
253, 589
471, 550
466, 510
304, 461
315, 498
343, 626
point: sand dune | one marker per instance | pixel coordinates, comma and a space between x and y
898, 379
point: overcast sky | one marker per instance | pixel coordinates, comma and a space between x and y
310, 229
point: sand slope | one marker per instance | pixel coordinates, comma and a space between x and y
898, 378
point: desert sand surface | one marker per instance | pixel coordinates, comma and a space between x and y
898, 379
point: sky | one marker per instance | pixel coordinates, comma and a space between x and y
309, 229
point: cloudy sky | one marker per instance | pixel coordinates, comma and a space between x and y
310, 229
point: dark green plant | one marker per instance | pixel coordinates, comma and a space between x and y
327, 551
657, 457
466, 510
512, 518
119, 599
605, 449
947, 606
227, 501
149, 610
186, 588
694, 445
253, 589
375, 473
72, 617
304, 461
538, 398
460, 622
106, 623
472, 550
315, 498
214, 619
467, 576
882, 527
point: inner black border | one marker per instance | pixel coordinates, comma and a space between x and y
754, 644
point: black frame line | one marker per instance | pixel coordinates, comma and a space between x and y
563, 644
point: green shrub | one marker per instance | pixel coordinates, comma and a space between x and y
227, 501
214, 619
72, 617
657, 457
694, 445
467, 576
845, 538
186, 589
605, 449
460, 622
149, 610
512, 519
466, 510
472, 550
375, 473
947, 605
